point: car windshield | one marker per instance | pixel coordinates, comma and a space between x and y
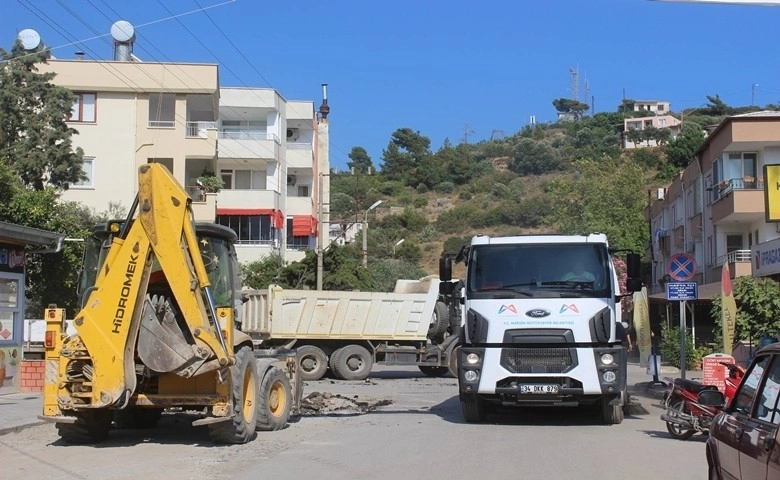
548, 270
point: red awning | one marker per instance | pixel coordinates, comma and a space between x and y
303, 225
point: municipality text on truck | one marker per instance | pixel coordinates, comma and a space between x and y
540, 314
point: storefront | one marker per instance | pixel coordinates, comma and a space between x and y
14, 240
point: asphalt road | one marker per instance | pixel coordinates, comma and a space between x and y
397, 424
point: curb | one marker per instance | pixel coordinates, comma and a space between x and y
19, 428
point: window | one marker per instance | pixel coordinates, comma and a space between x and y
243, 179
662, 122
251, 229
295, 242
162, 110
11, 307
747, 392
648, 123
766, 406
83, 109
661, 107
87, 168
303, 190
734, 242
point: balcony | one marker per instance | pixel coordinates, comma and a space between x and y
299, 155
248, 199
299, 206
246, 143
201, 139
738, 200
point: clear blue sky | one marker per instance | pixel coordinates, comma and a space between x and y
436, 66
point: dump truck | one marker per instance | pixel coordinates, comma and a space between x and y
538, 330
347, 332
157, 330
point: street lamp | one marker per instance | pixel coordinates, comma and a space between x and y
396, 244
365, 228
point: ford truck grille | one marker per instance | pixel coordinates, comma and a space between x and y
536, 360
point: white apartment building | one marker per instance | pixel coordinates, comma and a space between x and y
263, 147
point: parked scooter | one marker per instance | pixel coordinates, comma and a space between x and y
691, 406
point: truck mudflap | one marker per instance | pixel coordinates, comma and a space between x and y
604, 372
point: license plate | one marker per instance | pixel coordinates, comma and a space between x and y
542, 389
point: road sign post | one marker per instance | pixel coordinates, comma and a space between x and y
682, 292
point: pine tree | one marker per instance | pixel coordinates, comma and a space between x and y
35, 140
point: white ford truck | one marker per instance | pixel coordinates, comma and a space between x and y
537, 329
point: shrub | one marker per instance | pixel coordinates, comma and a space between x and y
421, 188
445, 187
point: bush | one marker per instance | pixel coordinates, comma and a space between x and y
670, 348
445, 187
420, 202
422, 188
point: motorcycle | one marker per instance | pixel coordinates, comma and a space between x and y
691, 406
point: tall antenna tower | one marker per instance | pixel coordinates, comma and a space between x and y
575, 83
587, 89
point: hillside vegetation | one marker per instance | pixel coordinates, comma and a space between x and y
567, 177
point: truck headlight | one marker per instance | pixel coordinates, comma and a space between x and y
609, 376
472, 358
607, 359
470, 376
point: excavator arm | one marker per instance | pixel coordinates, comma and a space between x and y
173, 329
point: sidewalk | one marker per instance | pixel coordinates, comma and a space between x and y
21, 410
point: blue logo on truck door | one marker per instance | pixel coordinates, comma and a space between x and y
537, 313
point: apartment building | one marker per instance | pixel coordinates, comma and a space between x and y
267, 150
655, 106
714, 211
656, 121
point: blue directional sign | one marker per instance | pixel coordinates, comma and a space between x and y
682, 267
680, 291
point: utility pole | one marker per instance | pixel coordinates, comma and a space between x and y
466, 132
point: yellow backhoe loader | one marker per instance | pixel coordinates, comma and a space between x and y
159, 328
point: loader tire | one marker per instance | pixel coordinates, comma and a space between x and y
136, 417
274, 401
351, 362
313, 362
245, 385
92, 426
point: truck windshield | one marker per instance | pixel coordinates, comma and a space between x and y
540, 270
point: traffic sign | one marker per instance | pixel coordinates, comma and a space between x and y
681, 291
682, 267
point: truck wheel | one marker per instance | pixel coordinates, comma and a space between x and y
313, 362
611, 414
274, 401
474, 409
440, 321
92, 426
136, 417
244, 388
432, 371
352, 362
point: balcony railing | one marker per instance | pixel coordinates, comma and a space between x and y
248, 135
198, 129
736, 256
745, 183
299, 145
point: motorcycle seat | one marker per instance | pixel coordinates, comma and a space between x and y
693, 385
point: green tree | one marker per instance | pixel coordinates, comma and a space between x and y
601, 196
35, 140
568, 105
626, 106
360, 161
534, 158
404, 153
649, 133
715, 106
679, 151
262, 273
634, 136
758, 308
663, 135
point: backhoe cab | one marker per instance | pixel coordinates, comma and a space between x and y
158, 329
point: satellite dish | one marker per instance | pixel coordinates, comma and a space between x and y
30, 39
122, 31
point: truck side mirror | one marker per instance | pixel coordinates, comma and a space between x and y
633, 262
446, 288
445, 268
